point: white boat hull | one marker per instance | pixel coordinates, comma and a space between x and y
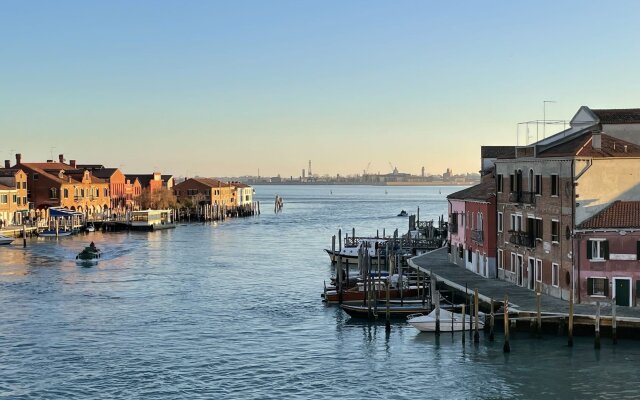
427, 323
5, 240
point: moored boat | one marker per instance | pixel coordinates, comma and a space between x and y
5, 240
90, 227
449, 321
89, 253
53, 233
395, 310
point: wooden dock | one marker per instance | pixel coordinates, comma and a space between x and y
522, 301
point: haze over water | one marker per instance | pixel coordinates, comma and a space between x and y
234, 311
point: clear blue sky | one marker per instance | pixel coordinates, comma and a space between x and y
225, 88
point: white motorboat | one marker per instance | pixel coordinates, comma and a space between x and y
449, 321
90, 227
5, 240
349, 254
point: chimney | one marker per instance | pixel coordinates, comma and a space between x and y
7, 163
18, 158
596, 140
61, 157
625, 148
72, 163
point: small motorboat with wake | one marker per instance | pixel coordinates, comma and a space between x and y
5, 240
90, 227
90, 253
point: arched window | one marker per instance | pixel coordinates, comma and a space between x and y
530, 181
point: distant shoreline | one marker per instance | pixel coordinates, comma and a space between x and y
391, 184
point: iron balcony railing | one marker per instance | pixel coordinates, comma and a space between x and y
522, 197
521, 238
477, 236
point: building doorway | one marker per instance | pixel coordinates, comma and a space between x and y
622, 291
520, 271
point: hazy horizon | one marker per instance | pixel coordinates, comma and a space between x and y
227, 89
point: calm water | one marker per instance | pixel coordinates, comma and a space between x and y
233, 311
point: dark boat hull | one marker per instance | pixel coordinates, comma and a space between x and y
357, 295
395, 311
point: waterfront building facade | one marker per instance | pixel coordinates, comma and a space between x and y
58, 184
608, 246
206, 191
243, 194
14, 206
550, 187
153, 182
478, 238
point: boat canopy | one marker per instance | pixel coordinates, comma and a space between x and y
62, 212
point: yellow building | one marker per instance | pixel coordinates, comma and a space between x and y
14, 206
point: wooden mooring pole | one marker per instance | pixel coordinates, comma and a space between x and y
476, 334
491, 323
596, 344
387, 324
506, 348
538, 313
24, 235
464, 322
333, 249
614, 323
570, 327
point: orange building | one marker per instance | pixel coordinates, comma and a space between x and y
57, 184
123, 190
14, 206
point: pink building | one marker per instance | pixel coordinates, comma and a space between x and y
608, 253
476, 227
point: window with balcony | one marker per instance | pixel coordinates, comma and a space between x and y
555, 185
597, 286
597, 249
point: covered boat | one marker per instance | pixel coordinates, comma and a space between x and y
449, 321
89, 253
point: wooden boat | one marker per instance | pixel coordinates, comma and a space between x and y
395, 310
357, 293
349, 254
5, 240
52, 233
449, 321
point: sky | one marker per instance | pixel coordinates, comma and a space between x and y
215, 88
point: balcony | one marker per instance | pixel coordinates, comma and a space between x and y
477, 236
522, 197
521, 238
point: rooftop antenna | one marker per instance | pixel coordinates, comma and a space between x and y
544, 117
51, 152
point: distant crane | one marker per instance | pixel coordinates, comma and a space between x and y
366, 170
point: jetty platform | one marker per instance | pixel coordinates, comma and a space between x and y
522, 301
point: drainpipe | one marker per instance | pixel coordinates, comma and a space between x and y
573, 224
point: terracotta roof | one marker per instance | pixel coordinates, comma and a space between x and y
620, 214
211, 182
581, 147
102, 173
482, 191
618, 116
5, 187
239, 184
497, 152
6, 172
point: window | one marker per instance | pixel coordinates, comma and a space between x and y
539, 184
555, 231
469, 255
19, 201
479, 224
500, 183
538, 270
555, 186
454, 219
53, 193
597, 249
514, 261
4, 199
106, 192
500, 259
35, 176
15, 198
555, 274
512, 183
598, 287
65, 193
24, 185
500, 222
539, 228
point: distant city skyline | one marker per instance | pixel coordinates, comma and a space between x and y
227, 89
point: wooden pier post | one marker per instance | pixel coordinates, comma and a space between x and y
339, 280
538, 313
333, 249
464, 322
476, 335
570, 328
353, 235
614, 323
340, 240
596, 344
437, 313
506, 348
387, 324
491, 323
24, 235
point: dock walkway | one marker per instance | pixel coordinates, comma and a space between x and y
521, 300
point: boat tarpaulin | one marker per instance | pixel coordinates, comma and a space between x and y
62, 212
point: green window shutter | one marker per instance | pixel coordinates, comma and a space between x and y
589, 286
605, 249
589, 250
606, 287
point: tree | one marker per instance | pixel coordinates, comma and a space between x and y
160, 199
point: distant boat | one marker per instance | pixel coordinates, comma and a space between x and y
90, 227
403, 213
5, 240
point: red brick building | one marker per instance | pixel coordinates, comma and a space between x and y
609, 255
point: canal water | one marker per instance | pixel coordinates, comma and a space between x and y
233, 311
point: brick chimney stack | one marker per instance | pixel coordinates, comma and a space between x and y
7, 163
18, 158
72, 163
61, 158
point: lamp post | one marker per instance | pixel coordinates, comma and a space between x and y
544, 117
